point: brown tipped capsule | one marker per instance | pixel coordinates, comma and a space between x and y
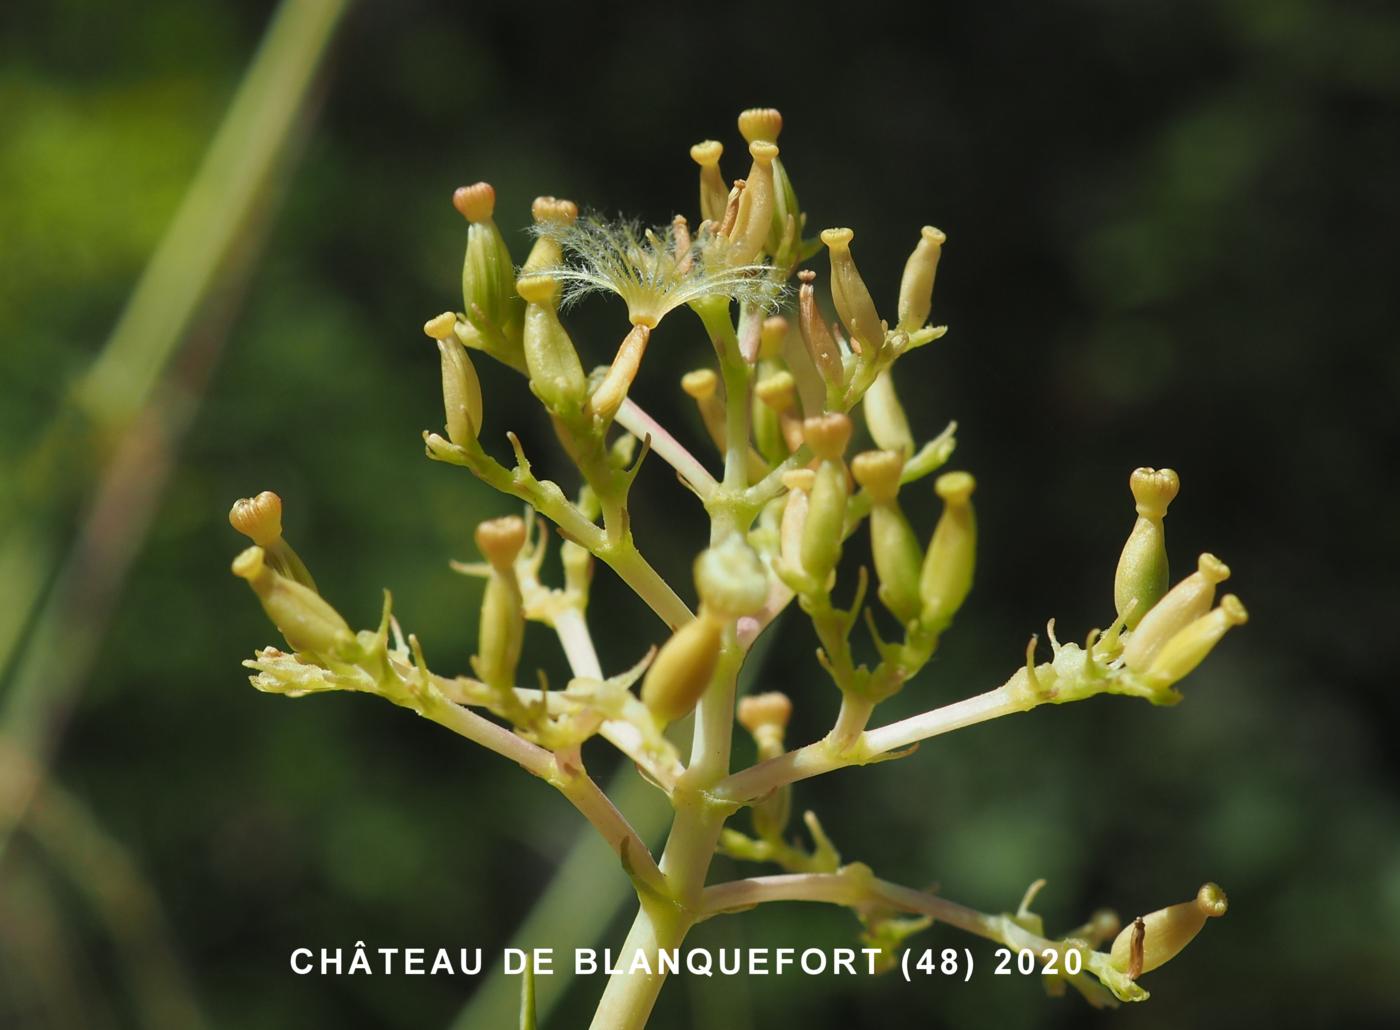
1184, 603
1189, 646
476, 203
488, 273
760, 124
850, 295
916, 287
1143, 576
821, 345
683, 668
713, 193
1158, 937
303, 617
827, 435
500, 540
258, 518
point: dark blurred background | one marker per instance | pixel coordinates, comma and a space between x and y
1172, 241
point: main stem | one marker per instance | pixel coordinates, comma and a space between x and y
629, 998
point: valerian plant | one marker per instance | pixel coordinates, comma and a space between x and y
781, 402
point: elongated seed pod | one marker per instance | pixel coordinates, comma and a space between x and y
850, 295
501, 629
885, 418
612, 391
307, 621
916, 287
1184, 603
893, 545
461, 389
713, 193
556, 375
1189, 646
946, 577
488, 274
1143, 576
755, 216
1157, 938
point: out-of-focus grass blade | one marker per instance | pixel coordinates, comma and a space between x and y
206, 245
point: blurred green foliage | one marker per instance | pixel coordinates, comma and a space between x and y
1173, 235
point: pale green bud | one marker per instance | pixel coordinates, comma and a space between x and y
826, 519
488, 274
821, 345
850, 295
260, 520
1155, 939
556, 375
916, 287
885, 418
683, 668
1189, 646
1143, 575
731, 579
754, 218
892, 542
1186, 602
713, 192
302, 616
461, 389
501, 631
946, 577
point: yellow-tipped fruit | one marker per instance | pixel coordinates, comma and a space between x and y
893, 545
946, 577
302, 616
1183, 604
556, 375
1155, 939
850, 295
461, 389
713, 193
916, 286
1143, 575
1189, 646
